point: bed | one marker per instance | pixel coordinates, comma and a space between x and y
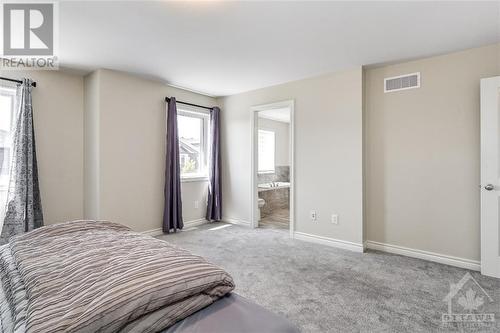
99, 276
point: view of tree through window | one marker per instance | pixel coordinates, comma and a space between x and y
192, 143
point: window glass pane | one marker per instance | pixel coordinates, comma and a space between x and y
5, 113
266, 151
190, 144
4, 164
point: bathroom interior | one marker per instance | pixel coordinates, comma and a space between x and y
273, 176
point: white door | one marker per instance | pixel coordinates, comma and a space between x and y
490, 176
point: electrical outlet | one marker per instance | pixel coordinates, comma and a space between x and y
335, 218
313, 215
196, 204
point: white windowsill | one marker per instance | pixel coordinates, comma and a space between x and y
194, 179
266, 172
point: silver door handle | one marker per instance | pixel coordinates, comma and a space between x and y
489, 187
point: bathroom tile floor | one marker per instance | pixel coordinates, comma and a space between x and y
278, 219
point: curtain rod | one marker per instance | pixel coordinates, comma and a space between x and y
17, 81
167, 99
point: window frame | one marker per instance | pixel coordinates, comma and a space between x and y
204, 140
11, 93
264, 172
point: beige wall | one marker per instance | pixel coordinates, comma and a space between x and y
328, 152
282, 139
121, 138
421, 151
91, 146
131, 151
58, 119
422, 154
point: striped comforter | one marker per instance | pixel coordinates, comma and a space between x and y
88, 276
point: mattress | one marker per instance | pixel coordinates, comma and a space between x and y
233, 313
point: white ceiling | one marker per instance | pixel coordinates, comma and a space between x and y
282, 115
222, 48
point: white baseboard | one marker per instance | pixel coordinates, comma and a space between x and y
425, 255
153, 232
187, 224
342, 244
194, 223
237, 222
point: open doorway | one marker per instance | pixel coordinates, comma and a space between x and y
272, 161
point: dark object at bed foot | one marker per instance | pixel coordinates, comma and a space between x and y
233, 314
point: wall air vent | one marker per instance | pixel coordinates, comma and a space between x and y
402, 82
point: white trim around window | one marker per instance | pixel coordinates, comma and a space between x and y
194, 178
202, 174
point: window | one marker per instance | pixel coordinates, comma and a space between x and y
266, 153
7, 107
7, 98
193, 143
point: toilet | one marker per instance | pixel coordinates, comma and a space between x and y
260, 202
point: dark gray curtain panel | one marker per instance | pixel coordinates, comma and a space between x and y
23, 211
172, 212
214, 206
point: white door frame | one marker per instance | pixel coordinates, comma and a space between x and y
254, 221
490, 174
